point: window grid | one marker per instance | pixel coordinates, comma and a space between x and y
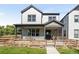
76, 18
51, 18
33, 32
31, 18
54, 18
76, 33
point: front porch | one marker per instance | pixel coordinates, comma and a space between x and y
49, 31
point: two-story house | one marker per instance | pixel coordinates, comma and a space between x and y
38, 25
71, 24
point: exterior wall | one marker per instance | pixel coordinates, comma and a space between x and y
72, 25
66, 24
39, 17
31, 11
45, 18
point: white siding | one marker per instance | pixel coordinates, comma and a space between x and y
28, 12
45, 18
73, 25
65, 22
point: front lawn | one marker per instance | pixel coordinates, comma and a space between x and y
66, 50
21, 50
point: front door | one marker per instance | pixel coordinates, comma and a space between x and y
48, 34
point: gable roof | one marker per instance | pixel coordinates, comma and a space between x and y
31, 6
55, 22
76, 8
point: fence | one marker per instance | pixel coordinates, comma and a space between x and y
37, 43
71, 43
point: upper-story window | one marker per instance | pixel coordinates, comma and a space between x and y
51, 18
54, 18
76, 18
76, 33
31, 18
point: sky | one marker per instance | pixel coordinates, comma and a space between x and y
11, 13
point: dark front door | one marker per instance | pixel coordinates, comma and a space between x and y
48, 34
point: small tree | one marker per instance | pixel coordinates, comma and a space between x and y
2, 31
10, 30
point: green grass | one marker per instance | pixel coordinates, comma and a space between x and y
21, 50
66, 50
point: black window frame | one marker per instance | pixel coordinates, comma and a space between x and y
76, 18
50, 18
31, 18
76, 35
33, 32
54, 17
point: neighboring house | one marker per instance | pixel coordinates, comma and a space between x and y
38, 25
71, 24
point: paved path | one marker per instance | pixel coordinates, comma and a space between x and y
51, 50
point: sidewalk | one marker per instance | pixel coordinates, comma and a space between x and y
51, 50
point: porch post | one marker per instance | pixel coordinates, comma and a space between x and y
44, 32
16, 31
62, 33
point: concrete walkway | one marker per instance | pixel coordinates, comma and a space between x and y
51, 50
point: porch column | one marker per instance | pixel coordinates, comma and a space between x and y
62, 33
44, 32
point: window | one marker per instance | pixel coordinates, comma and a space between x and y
31, 18
52, 18
76, 18
33, 32
76, 33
